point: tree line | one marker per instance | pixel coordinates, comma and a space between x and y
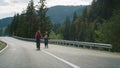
99, 22
30, 20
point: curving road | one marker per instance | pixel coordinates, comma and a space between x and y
23, 54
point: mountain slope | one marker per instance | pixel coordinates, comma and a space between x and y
57, 14
5, 21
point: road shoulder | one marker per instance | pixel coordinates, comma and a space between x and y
3, 46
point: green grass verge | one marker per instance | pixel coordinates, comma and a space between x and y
2, 45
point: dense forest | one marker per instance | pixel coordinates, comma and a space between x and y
31, 20
99, 22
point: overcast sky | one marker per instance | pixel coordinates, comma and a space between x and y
9, 7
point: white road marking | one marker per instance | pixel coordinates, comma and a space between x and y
67, 62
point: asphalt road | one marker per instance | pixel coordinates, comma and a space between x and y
23, 54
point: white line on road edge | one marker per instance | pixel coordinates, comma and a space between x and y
4, 49
73, 65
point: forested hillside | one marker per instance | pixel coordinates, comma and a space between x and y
58, 14
99, 22
4, 22
27, 23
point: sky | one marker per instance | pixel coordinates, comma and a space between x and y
10, 7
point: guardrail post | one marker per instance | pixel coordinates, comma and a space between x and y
109, 49
90, 47
83, 46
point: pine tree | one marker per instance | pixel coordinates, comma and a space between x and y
31, 19
44, 23
66, 32
100, 9
14, 25
73, 27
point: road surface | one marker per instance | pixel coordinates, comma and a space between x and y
23, 54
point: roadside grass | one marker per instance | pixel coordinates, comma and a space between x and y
2, 45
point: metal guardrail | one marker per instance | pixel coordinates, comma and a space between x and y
82, 44
73, 43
